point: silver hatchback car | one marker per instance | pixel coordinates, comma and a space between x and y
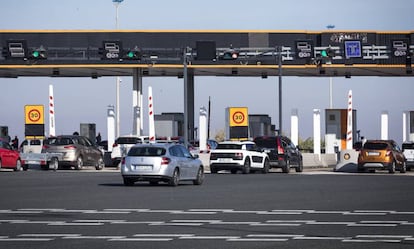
163, 162
76, 151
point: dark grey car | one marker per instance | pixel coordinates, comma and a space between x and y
77, 151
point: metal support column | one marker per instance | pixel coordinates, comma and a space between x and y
188, 101
137, 102
279, 56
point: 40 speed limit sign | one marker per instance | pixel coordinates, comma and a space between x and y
238, 116
34, 114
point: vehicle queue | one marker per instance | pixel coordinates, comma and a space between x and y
170, 161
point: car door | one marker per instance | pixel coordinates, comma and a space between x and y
256, 156
179, 160
399, 156
8, 155
292, 151
188, 163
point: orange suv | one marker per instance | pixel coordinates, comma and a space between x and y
382, 155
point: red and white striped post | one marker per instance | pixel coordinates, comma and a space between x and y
151, 115
349, 139
52, 129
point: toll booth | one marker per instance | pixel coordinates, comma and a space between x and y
4, 133
89, 131
336, 127
169, 124
260, 125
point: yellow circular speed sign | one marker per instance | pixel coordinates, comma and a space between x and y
238, 116
34, 114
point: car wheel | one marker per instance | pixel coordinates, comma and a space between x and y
25, 167
286, 167
233, 171
79, 163
299, 168
403, 167
53, 163
0, 163
100, 164
175, 178
391, 168
266, 166
246, 166
200, 177
18, 165
128, 182
213, 170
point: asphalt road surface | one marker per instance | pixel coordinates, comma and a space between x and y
92, 209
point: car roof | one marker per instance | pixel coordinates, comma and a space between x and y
237, 142
165, 145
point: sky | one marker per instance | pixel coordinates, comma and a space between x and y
85, 100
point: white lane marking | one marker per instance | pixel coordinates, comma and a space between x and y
371, 241
162, 235
141, 239
197, 221
209, 237
330, 223
137, 222
48, 235
320, 238
371, 225
25, 239
64, 223
175, 224
274, 235
257, 240
104, 237
99, 221
384, 236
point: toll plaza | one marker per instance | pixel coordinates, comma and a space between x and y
189, 53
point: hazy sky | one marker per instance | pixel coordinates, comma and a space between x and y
85, 100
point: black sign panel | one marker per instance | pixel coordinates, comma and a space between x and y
16, 49
36, 130
400, 47
112, 50
304, 49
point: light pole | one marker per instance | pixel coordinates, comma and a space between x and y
118, 79
330, 27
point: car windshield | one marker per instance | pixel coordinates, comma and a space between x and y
375, 146
146, 151
229, 146
407, 146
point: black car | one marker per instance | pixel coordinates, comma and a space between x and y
282, 152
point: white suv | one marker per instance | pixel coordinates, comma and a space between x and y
408, 150
122, 146
235, 156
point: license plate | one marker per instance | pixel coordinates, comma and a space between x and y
373, 153
33, 162
143, 167
224, 160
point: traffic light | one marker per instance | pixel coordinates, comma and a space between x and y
328, 52
38, 53
230, 55
134, 54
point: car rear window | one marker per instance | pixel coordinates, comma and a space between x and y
265, 142
146, 151
229, 146
375, 146
409, 146
128, 140
60, 141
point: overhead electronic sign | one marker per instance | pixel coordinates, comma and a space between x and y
112, 50
304, 49
353, 49
400, 47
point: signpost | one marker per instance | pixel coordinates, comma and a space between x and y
34, 121
238, 120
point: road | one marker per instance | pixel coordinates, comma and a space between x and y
314, 209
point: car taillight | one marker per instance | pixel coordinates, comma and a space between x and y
238, 156
213, 156
70, 147
165, 160
114, 145
388, 153
123, 161
45, 147
280, 149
